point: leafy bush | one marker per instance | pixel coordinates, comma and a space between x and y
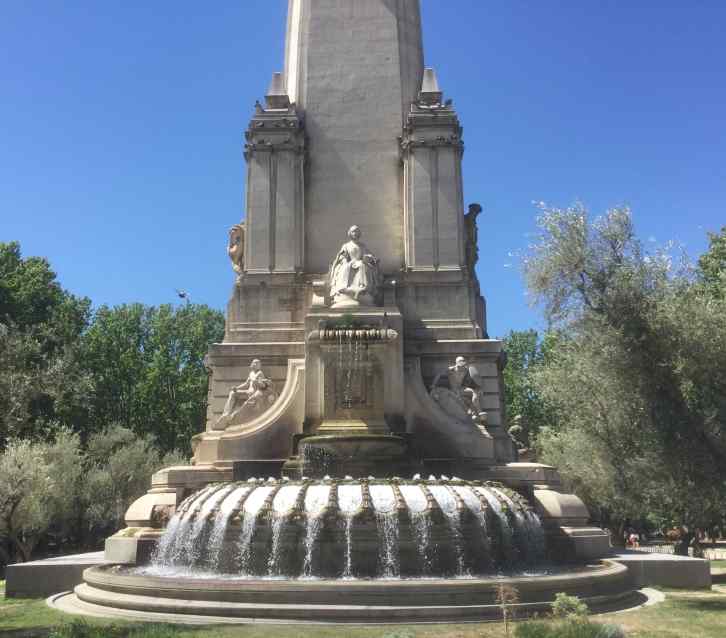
40, 485
568, 629
643, 339
120, 465
59, 492
81, 629
568, 607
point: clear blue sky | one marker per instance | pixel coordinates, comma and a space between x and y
121, 129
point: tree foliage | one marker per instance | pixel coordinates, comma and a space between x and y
58, 492
637, 383
119, 466
91, 404
527, 411
60, 364
40, 489
42, 381
32, 299
147, 366
712, 265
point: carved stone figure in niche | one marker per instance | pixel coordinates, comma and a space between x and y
458, 391
236, 247
355, 277
472, 236
248, 399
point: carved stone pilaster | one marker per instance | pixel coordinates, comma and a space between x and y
431, 150
275, 152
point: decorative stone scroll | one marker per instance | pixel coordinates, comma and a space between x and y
367, 335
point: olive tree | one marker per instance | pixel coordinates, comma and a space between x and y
119, 465
40, 489
639, 379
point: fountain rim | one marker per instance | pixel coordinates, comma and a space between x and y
605, 586
99, 576
330, 481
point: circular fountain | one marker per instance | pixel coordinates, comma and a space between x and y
348, 376
351, 549
375, 528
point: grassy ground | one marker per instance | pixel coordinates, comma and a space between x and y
684, 614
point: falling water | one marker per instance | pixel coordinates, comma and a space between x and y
506, 533
420, 521
282, 505
273, 562
350, 500
184, 549
199, 534
198, 540
528, 529
384, 502
316, 498
474, 505
178, 526
250, 510
447, 503
221, 521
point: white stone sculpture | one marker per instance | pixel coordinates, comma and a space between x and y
355, 277
248, 399
472, 239
458, 391
236, 247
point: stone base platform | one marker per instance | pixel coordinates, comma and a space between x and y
115, 592
41, 578
665, 570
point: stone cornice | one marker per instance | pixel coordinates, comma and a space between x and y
433, 126
275, 130
272, 145
408, 143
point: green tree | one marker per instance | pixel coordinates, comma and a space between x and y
119, 466
527, 411
39, 390
712, 264
42, 382
147, 365
32, 299
25, 478
639, 379
41, 483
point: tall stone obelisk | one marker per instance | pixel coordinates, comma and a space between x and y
355, 131
354, 68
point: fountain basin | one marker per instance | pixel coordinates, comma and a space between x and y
603, 587
346, 550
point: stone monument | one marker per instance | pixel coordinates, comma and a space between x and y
351, 398
355, 285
